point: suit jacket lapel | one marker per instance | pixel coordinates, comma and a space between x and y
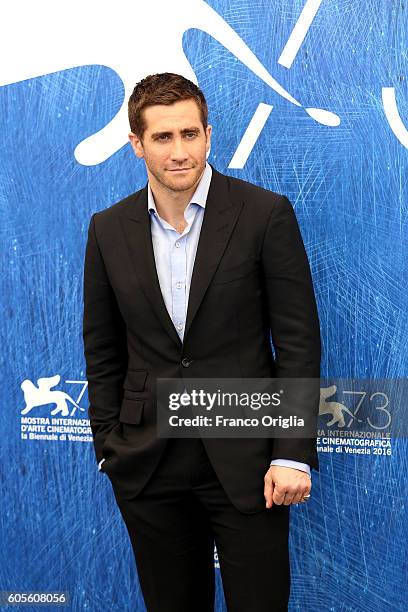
136, 227
220, 216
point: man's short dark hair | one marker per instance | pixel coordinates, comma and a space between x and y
163, 88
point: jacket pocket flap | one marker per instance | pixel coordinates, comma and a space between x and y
238, 270
131, 411
135, 380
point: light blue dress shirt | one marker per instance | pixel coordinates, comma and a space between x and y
175, 255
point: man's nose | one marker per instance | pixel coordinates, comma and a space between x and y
178, 150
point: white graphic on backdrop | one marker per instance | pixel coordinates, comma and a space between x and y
132, 38
251, 135
393, 116
42, 395
336, 409
58, 424
299, 32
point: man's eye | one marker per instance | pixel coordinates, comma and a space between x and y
163, 137
191, 135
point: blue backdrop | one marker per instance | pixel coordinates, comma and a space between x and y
347, 180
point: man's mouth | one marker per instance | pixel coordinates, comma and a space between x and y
179, 169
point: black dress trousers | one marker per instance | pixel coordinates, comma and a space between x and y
173, 523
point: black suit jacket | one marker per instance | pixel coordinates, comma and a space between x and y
251, 277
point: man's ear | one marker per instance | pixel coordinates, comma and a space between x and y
208, 131
137, 144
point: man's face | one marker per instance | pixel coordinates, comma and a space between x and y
174, 145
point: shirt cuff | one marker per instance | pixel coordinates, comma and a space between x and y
100, 463
304, 467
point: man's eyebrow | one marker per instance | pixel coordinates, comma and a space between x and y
196, 130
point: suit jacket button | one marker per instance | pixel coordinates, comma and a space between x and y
186, 362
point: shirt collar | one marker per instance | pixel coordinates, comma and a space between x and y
199, 196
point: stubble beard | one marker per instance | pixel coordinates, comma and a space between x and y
177, 183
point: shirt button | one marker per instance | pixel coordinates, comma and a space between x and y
179, 326
185, 362
177, 244
179, 285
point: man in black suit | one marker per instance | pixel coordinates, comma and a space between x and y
191, 277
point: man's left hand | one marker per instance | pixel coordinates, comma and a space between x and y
285, 485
